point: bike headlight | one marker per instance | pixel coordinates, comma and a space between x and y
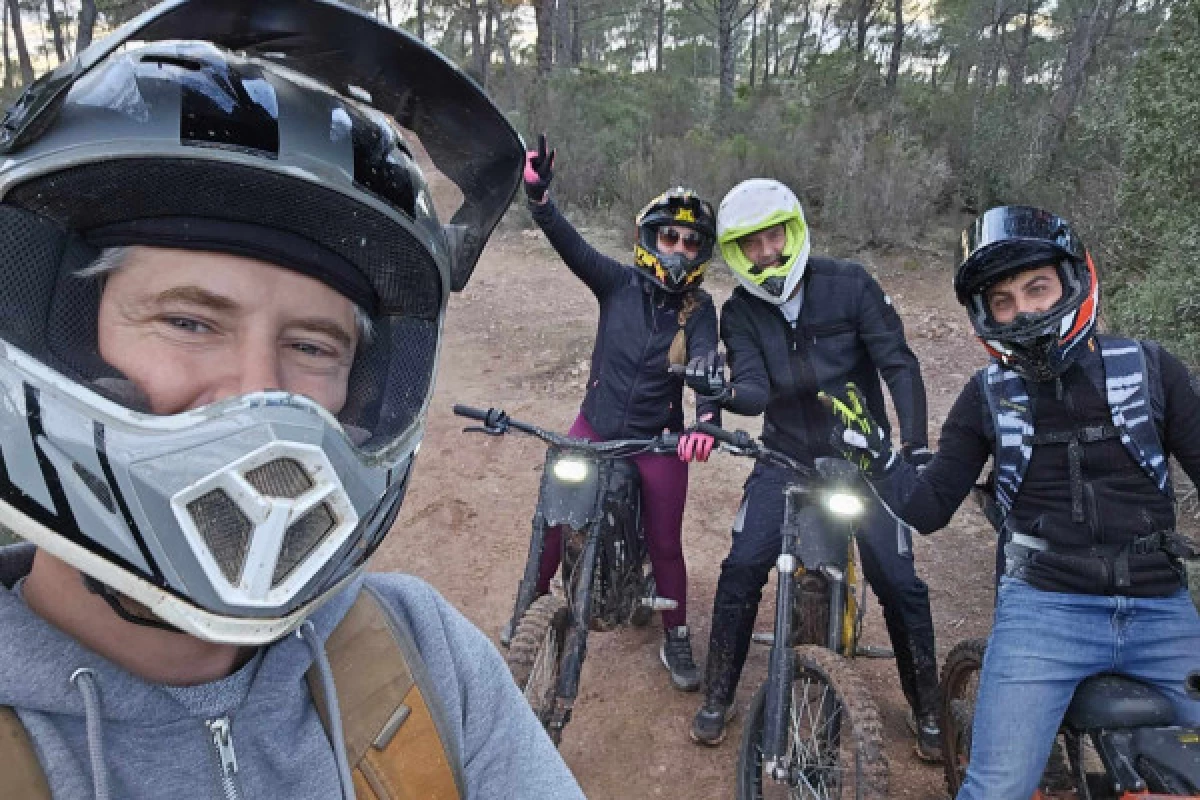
570, 470
844, 504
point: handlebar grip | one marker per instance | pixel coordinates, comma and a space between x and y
470, 413
735, 438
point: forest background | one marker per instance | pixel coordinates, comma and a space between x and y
886, 116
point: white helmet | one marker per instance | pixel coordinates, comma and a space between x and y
266, 129
754, 205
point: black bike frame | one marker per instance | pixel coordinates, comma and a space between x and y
580, 506
811, 539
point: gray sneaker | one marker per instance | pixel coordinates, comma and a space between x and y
708, 726
676, 655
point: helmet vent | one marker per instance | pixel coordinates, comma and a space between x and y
225, 529
96, 487
301, 538
282, 477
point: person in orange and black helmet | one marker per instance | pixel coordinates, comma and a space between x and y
651, 316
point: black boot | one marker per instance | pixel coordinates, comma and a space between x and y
916, 661
732, 627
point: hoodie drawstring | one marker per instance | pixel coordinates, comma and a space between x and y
85, 681
309, 634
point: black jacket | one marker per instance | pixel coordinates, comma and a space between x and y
1121, 502
847, 331
629, 391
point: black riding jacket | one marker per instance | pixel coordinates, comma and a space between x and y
629, 391
1121, 502
847, 331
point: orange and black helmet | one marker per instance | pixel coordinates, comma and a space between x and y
1011, 239
675, 272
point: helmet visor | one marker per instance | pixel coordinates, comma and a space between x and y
1019, 224
464, 134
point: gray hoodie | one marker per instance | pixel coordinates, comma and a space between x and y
152, 741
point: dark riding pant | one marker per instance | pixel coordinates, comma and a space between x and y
885, 550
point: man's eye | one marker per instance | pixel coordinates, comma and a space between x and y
314, 350
187, 324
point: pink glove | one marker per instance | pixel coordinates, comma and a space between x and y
539, 171
694, 447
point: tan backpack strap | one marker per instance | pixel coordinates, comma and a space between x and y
19, 765
393, 743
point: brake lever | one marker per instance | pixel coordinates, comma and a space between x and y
496, 424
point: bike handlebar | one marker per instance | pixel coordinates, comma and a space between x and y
496, 422
740, 443
738, 439
470, 413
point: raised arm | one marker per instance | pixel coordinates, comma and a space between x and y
601, 273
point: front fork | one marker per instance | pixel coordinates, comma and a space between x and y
527, 588
781, 668
579, 604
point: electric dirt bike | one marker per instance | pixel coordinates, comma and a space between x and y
593, 493
812, 730
1118, 740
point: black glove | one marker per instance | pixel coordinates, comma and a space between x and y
539, 171
856, 434
705, 376
916, 454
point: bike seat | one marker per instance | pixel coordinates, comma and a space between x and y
1117, 701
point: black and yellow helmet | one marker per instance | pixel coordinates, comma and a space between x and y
675, 272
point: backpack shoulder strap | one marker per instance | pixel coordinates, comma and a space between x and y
393, 740
23, 776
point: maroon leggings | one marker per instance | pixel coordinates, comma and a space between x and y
664, 492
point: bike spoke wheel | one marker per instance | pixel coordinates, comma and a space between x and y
535, 655
959, 685
834, 745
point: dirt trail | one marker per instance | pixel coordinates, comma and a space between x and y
519, 338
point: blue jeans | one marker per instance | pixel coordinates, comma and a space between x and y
1042, 645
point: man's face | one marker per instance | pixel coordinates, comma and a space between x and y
763, 248
1030, 291
190, 328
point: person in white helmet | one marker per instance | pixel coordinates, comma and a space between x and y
796, 324
225, 283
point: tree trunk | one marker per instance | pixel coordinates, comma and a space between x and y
562, 33
1079, 56
661, 23
489, 27
753, 43
14, 10
7, 59
576, 35
504, 39
421, 19
545, 36
861, 25
476, 39
893, 73
1020, 61
725, 13
56, 29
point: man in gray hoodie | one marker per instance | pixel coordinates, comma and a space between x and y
224, 288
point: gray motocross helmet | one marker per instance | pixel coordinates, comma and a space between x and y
281, 130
